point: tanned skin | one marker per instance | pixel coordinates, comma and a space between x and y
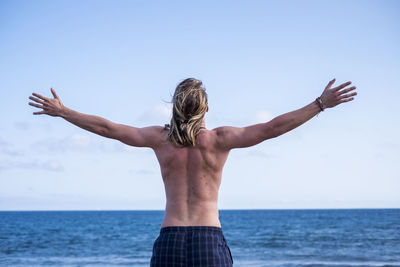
192, 175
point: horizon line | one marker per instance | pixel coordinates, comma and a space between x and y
268, 209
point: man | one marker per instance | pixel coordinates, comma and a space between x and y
191, 160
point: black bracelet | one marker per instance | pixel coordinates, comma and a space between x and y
321, 105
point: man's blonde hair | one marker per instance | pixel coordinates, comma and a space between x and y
189, 106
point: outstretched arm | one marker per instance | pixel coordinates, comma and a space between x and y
234, 137
140, 137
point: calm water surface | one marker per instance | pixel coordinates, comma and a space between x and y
365, 237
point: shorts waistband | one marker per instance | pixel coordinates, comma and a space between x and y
185, 229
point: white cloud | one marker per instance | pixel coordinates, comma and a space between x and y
50, 165
160, 113
8, 149
83, 143
162, 110
259, 153
141, 172
262, 116
69, 143
22, 125
130, 148
79, 141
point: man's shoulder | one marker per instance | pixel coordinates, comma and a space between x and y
215, 137
221, 132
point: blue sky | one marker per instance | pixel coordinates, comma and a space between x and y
257, 59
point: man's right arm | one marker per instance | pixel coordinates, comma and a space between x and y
234, 137
140, 137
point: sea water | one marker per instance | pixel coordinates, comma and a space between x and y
353, 237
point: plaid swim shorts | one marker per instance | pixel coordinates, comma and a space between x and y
191, 246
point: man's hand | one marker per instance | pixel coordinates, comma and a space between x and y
50, 106
335, 96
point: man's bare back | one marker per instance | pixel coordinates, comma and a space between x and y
192, 177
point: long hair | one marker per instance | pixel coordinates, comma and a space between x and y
189, 106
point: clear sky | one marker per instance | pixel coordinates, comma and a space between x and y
257, 59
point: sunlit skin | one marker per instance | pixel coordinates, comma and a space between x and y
192, 175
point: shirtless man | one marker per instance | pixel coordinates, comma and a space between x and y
191, 160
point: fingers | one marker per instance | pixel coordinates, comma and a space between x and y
346, 100
330, 83
41, 97
36, 105
348, 95
343, 96
36, 100
347, 90
41, 102
342, 86
54, 93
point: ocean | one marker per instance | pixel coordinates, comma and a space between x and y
343, 237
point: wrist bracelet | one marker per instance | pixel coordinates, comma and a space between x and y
321, 105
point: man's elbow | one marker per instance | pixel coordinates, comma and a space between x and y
108, 130
272, 131
275, 133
